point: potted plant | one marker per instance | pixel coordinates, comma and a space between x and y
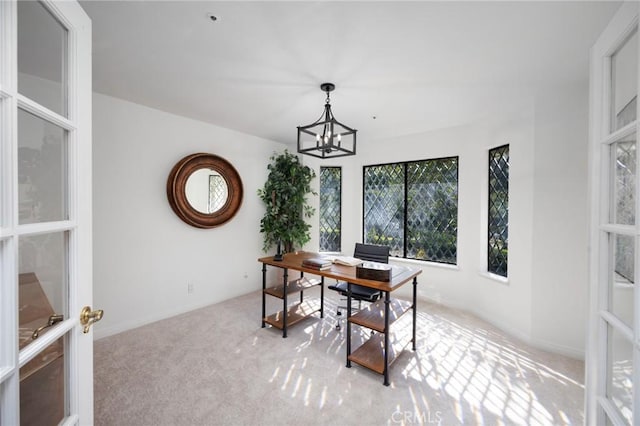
285, 197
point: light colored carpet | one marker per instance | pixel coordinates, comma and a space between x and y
217, 366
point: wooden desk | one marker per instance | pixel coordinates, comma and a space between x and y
378, 352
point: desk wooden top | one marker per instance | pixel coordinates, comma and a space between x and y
400, 274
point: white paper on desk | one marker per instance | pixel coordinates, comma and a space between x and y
345, 260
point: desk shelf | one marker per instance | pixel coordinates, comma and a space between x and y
373, 315
371, 354
293, 286
295, 314
290, 314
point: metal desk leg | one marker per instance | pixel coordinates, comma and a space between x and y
322, 297
415, 312
284, 302
386, 337
348, 324
264, 287
301, 291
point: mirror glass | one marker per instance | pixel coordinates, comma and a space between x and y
206, 190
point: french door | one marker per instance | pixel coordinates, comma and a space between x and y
613, 353
46, 368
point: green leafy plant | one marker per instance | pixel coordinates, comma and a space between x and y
285, 197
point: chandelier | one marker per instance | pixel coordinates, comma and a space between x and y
327, 137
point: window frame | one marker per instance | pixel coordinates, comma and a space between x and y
320, 209
405, 165
488, 211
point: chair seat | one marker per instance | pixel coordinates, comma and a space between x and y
358, 292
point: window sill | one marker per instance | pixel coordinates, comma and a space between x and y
423, 263
420, 263
494, 277
331, 253
622, 286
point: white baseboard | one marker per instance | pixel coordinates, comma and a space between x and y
558, 349
101, 332
571, 352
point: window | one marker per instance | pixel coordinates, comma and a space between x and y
412, 207
330, 208
498, 218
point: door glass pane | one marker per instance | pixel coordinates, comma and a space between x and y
42, 283
621, 288
4, 211
42, 53
42, 387
42, 170
620, 372
624, 82
6, 360
624, 182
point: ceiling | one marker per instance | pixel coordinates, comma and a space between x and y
399, 67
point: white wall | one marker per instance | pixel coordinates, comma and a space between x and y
144, 255
560, 291
544, 299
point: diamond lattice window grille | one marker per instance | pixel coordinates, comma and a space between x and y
432, 210
498, 218
413, 208
623, 195
623, 200
330, 208
623, 254
218, 192
384, 207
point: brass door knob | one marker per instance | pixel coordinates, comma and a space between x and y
89, 317
53, 320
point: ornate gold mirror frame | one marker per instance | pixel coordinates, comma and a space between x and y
177, 184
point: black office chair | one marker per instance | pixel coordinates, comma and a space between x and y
366, 252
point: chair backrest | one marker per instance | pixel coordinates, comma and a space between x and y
372, 253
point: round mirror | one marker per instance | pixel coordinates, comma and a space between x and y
204, 190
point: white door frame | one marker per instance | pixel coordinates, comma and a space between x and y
598, 406
79, 352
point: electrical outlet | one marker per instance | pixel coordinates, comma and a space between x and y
189, 288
